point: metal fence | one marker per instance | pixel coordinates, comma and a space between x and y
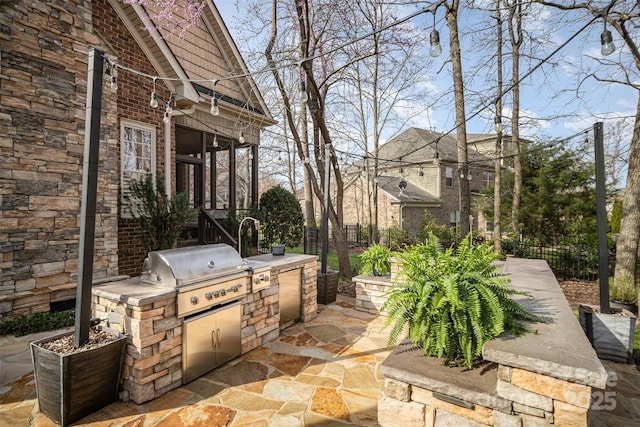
567, 262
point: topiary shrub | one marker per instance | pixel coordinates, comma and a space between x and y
451, 301
281, 217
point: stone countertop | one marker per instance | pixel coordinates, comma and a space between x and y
279, 261
133, 291
557, 347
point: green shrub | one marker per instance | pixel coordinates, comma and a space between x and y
281, 217
451, 301
160, 220
38, 322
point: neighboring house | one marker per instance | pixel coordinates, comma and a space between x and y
43, 82
419, 171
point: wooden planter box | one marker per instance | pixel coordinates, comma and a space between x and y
70, 387
611, 335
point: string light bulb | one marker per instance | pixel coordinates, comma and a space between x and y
606, 41
215, 140
435, 49
166, 118
498, 124
114, 82
215, 110
303, 92
154, 96
241, 138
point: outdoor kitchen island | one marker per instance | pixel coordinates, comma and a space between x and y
156, 357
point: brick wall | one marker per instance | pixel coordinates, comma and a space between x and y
43, 77
134, 92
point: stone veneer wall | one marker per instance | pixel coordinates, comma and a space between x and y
43, 80
153, 358
261, 310
532, 400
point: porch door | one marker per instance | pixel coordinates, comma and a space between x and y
190, 179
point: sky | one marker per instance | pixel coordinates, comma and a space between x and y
555, 103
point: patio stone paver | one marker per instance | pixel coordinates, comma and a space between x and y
297, 380
322, 373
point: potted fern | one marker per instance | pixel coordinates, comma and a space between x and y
451, 302
375, 260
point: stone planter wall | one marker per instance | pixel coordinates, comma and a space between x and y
536, 379
147, 313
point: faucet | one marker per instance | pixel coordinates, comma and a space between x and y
257, 223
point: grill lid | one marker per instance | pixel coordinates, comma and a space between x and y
173, 266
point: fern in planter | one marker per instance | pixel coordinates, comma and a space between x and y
452, 302
375, 260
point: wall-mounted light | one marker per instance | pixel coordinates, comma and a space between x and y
435, 48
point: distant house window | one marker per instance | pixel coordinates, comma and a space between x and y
488, 226
448, 176
487, 178
454, 218
138, 153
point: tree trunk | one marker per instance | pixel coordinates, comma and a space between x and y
627, 241
461, 126
497, 177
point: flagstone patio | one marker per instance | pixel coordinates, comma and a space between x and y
325, 372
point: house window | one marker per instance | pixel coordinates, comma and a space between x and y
454, 218
138, 153
488, 226
448, 176
487, 178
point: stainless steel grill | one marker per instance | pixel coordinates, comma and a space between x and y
210, 281
205, 276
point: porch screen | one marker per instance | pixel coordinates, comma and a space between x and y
138, 155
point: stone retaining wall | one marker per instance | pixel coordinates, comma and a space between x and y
544, 377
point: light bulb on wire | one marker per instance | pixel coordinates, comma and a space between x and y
435, 49
215, 110
154, 96
606, 41
241, 138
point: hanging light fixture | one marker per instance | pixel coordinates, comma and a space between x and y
241, 138
215, 140
606, 41
434, 40
154, 96
303, 92
215, 110
436, 155
498, 124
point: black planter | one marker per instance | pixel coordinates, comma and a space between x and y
70, 387
277, 250
610, 334
327, 286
